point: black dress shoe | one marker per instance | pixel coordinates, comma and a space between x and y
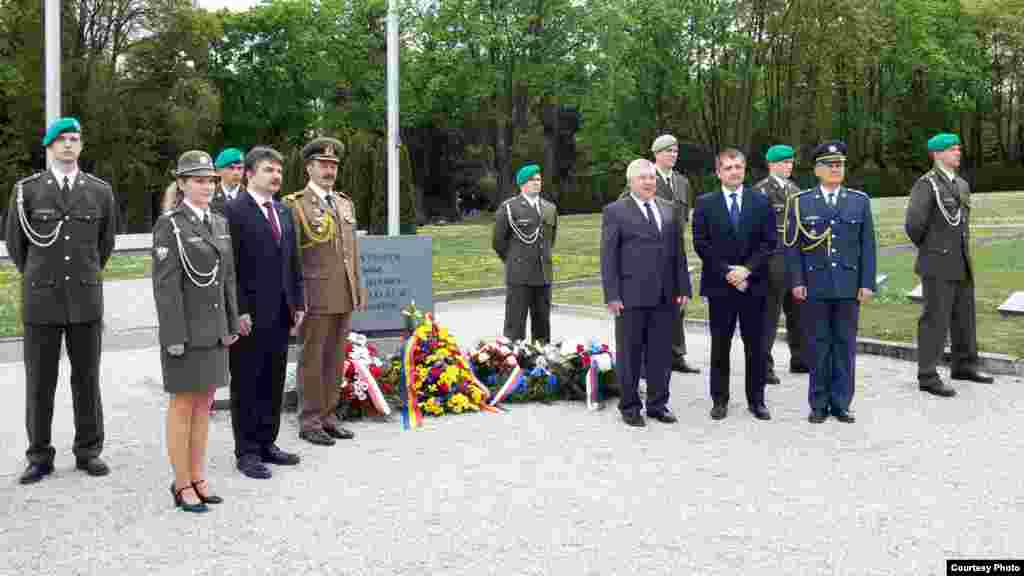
251, 466
633, 419
771, 378
938, 388
817, 416
680, 365
93, 466
973, 376
206, 498
274, 455
799, 369
760, 412
665, 416
180, 502
719, 411
318, 437
844, 416
34, 473
341, 433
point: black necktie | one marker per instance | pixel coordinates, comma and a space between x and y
330, 201
206, 223
650, 217
67, 186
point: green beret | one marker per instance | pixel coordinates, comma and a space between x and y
778, 153
227, 157
324, 148
525, 173
60, 126
941, 142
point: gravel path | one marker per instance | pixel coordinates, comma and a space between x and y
543, 489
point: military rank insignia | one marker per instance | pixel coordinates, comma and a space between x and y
161, 253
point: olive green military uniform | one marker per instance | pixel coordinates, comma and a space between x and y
220, 198
60, 241
331, 273
194, 288
779, 298
938, 218
676, 190
524, 237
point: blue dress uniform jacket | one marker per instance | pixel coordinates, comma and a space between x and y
834, 254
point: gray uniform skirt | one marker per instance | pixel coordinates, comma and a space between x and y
198, 370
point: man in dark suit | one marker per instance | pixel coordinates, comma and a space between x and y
60, 234
938, 222
524, 235
645, 280
271, 301
830, 269
229, 165
734, 234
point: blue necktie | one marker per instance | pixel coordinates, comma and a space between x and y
734, 211
650, 217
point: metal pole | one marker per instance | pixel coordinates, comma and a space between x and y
393, 136
51, 38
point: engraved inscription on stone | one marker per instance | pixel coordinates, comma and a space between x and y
396, 270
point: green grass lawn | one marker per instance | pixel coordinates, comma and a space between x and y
463, 258
893, 316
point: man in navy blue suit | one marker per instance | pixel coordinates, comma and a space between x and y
645, 280
271, 302
734, 234
830, 269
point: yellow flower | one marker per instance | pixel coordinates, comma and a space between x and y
443, 333
432, 406
459, 403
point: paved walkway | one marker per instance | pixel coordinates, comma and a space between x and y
541, 489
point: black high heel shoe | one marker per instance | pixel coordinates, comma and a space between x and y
209, 498
180, 502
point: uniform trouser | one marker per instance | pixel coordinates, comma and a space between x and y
521, 300
324, 340
42, 345
780, 300
723, 312
258, 363
948, 309
641, 334
831, 327
679, 335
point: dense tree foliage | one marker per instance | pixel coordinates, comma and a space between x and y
581, 86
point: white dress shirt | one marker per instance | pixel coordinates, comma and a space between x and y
728, 198
200, 214
654, 209
72, 176
230, 193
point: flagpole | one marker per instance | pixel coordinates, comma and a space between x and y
393, 134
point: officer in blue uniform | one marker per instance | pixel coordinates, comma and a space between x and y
830, 269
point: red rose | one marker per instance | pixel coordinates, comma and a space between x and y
372, 349
442, 387
375, 371
604, 347
386, 388
586, 361
435, 371
579, 348
348, 348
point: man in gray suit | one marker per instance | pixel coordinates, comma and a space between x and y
645, 280
938, 222
524, 235
674, 187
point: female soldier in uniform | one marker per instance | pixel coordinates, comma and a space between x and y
194, 289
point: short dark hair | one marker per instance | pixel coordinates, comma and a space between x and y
728, 153
262, 154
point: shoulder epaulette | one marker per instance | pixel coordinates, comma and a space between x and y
28, 179
96, 179
802, 192
343, 195
293, 196
864, 194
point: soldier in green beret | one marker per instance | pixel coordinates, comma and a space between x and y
524, 236
229, 165
780, 189
60, 233
938, 223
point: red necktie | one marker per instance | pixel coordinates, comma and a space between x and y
272, 216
